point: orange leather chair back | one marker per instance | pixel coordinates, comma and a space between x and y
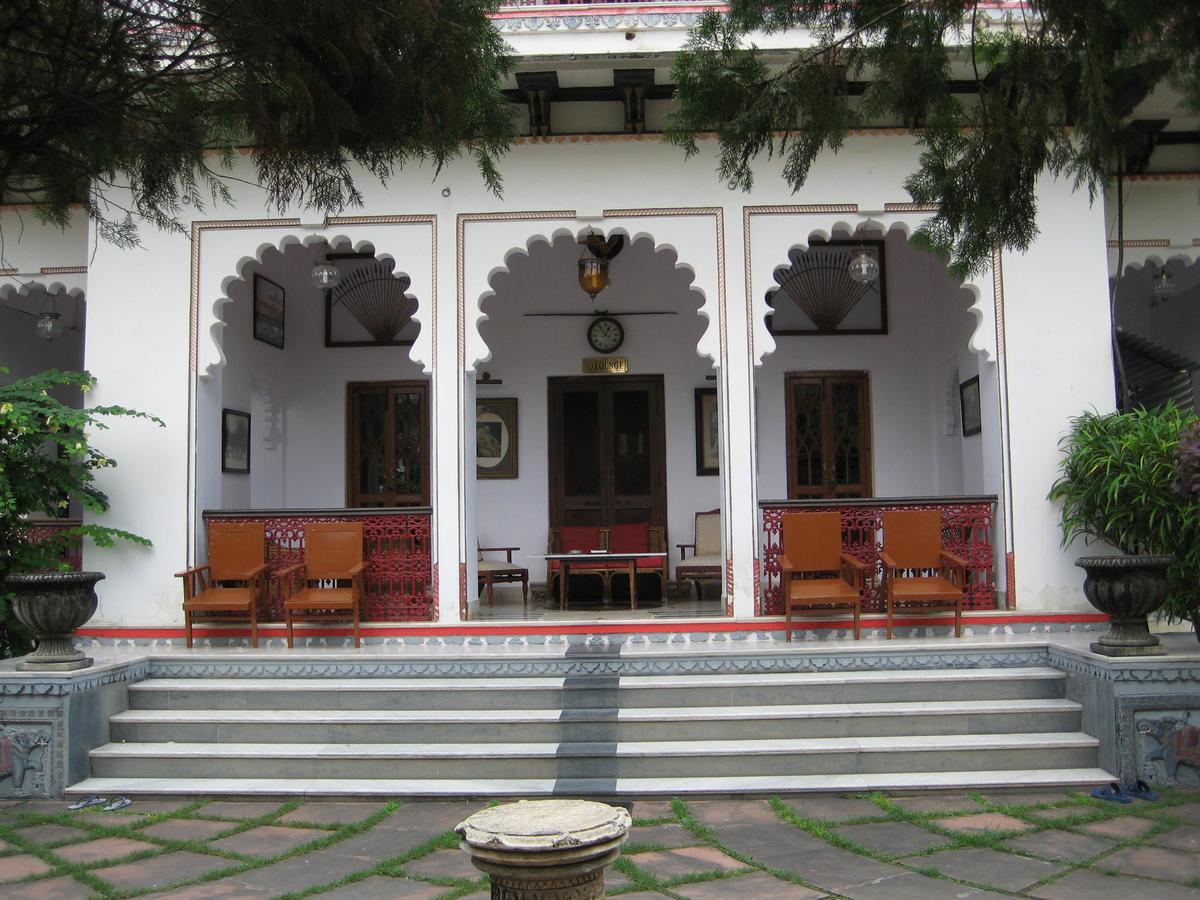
629, 538
235, 548
913, 537
332, 549
578, 537
812, 541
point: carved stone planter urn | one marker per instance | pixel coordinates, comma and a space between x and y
52, 605
1128, 588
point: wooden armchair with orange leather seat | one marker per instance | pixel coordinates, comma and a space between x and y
332, 583
828, 577
918, 574
493, 572
580, 539
641, 538
233, 583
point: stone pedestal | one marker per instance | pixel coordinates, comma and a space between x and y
545, 849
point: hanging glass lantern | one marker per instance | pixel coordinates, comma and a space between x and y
593, 274
1163, 284
49, 323
325, 276
863, 267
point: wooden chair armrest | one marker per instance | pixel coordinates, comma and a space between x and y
681, 547
853, 562
785, 568
358, 569
888, 561
289, 570
954, 558
195, 570
257, 571
506, 550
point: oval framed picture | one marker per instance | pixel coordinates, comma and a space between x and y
496, 438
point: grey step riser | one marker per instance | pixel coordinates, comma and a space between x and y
747, 764
612, 730
544, 698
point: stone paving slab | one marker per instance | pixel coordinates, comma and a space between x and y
758, 886
1061, 845
914, 886
1184, 837
1084, 883
892, 838
381, 887
663, 836
186, 829
983, 822
836, 870
14, 868
834, 809
62, 888
937, 803
1059, 813
159, 871
429, 818
1154, 862
668, 864
990, 868
1026, 798
443, 864
52, 834
225, 889
1189, 812
651, 809
734, 812
328, 812
102, 849
1121, 828
238, 809
269, 840
112, 819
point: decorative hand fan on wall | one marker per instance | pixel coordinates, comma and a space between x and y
376, 299
823, 298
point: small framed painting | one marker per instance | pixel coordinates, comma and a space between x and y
968, 398
496, 438
708, 433
268, 311
235, 442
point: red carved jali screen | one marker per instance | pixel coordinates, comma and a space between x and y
397, 554
71, 549
966, 530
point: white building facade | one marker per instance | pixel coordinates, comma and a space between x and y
491, 286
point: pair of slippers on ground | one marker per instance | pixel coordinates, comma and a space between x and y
113, 806
1116, 793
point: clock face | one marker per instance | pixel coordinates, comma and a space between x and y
605, 334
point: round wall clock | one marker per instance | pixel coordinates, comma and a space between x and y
605, 334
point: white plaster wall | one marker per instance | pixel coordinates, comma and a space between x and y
528, 350
1059, 363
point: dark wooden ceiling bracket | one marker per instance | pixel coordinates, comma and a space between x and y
538, 90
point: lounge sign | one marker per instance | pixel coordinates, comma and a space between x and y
605, 365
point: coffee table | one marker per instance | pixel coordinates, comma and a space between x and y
627, 560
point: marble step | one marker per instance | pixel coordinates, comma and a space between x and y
608, 788
631, 759
583, 692
643, 723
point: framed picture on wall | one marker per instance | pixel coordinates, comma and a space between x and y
708, 433
235, 442
268, 311
968, 398
496, 437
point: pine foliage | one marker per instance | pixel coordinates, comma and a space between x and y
1054, 89
162, 95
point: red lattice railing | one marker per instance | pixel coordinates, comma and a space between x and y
966, 530
71, 552
397, 554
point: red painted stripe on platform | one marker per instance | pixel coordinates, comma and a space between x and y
516, 629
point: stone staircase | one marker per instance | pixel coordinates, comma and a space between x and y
595, 735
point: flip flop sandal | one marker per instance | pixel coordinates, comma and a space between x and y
1112, 792
88, 802
1142, 791
119, 803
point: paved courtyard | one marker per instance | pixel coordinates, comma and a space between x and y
1056, 845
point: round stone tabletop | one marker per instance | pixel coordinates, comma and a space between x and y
532, 825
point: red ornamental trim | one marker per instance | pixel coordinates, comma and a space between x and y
1010, 571
1142, 242
63, 270
966, 530
397, 554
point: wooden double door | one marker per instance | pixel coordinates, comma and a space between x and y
607, 451
828, 435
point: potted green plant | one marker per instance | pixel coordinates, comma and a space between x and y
46, 459
1117, 485
1183, 599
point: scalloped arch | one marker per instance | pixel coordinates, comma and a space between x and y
664, 250
245, 267
981, 307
